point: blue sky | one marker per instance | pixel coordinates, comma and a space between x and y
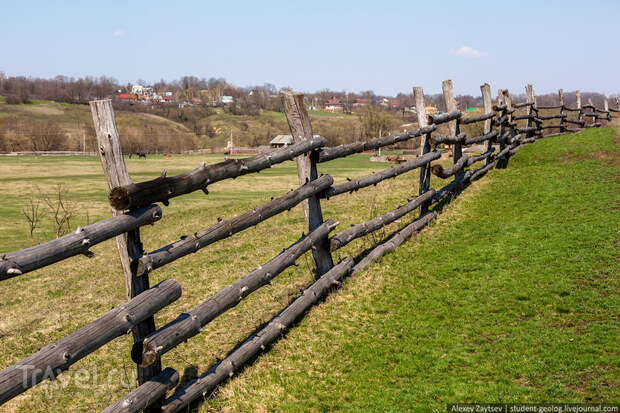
386, 46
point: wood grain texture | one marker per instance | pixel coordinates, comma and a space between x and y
356, 231
301, 130
129, 245
376, 177
59, 356
425, 145
204, 385
229, 227
187, 325
78, 242
164, 188
146, 394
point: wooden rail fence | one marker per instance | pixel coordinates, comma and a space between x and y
507, 127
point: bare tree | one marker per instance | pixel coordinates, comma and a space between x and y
61, 210
32, 214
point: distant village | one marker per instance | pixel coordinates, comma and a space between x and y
215, 98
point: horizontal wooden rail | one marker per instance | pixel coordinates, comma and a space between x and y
395, 241
334, 152
463, 162
481, 138
552, 127
478, 173
528, 129
560, 116
187, 325
593, 125
57, 357
225, 229
479, 118
377, 177
550, 107
163, 188
571, 109
449, 139
524, 104
147, 393
75, 243
574, 122
438, 118
203, 385
356, 231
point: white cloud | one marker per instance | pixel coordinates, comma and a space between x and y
118, 33
469, 52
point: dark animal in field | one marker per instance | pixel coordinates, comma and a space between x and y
138, 154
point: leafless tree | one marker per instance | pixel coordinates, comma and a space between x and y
62, 211
33, 216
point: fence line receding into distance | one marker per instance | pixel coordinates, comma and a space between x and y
507, 127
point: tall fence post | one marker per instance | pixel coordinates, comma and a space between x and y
299, 124
561, 98
425, 146
453, 125
501, 101
529, 97
128, 245
578, 96
487, 101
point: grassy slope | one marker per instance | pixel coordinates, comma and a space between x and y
72, 117
511, 296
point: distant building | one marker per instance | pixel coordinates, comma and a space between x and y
334, 105
226, 100
281, 141
358, 103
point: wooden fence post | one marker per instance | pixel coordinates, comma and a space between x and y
579, 114
299, 124
505, 99
128, 245
425, 146
488, 124
529, 96
453, 125
561, 98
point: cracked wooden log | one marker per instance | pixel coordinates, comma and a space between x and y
163, 188
186, 325
479, 118
334, 152
395, 241
202, 386
481, 138
377, 177
439, 118
448, 139
226, 228
54, 358
78, 242
146, 394
356, 231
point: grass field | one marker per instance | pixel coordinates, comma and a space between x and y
512, 295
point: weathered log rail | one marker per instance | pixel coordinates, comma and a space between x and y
54, 358
505, 125
75, 243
